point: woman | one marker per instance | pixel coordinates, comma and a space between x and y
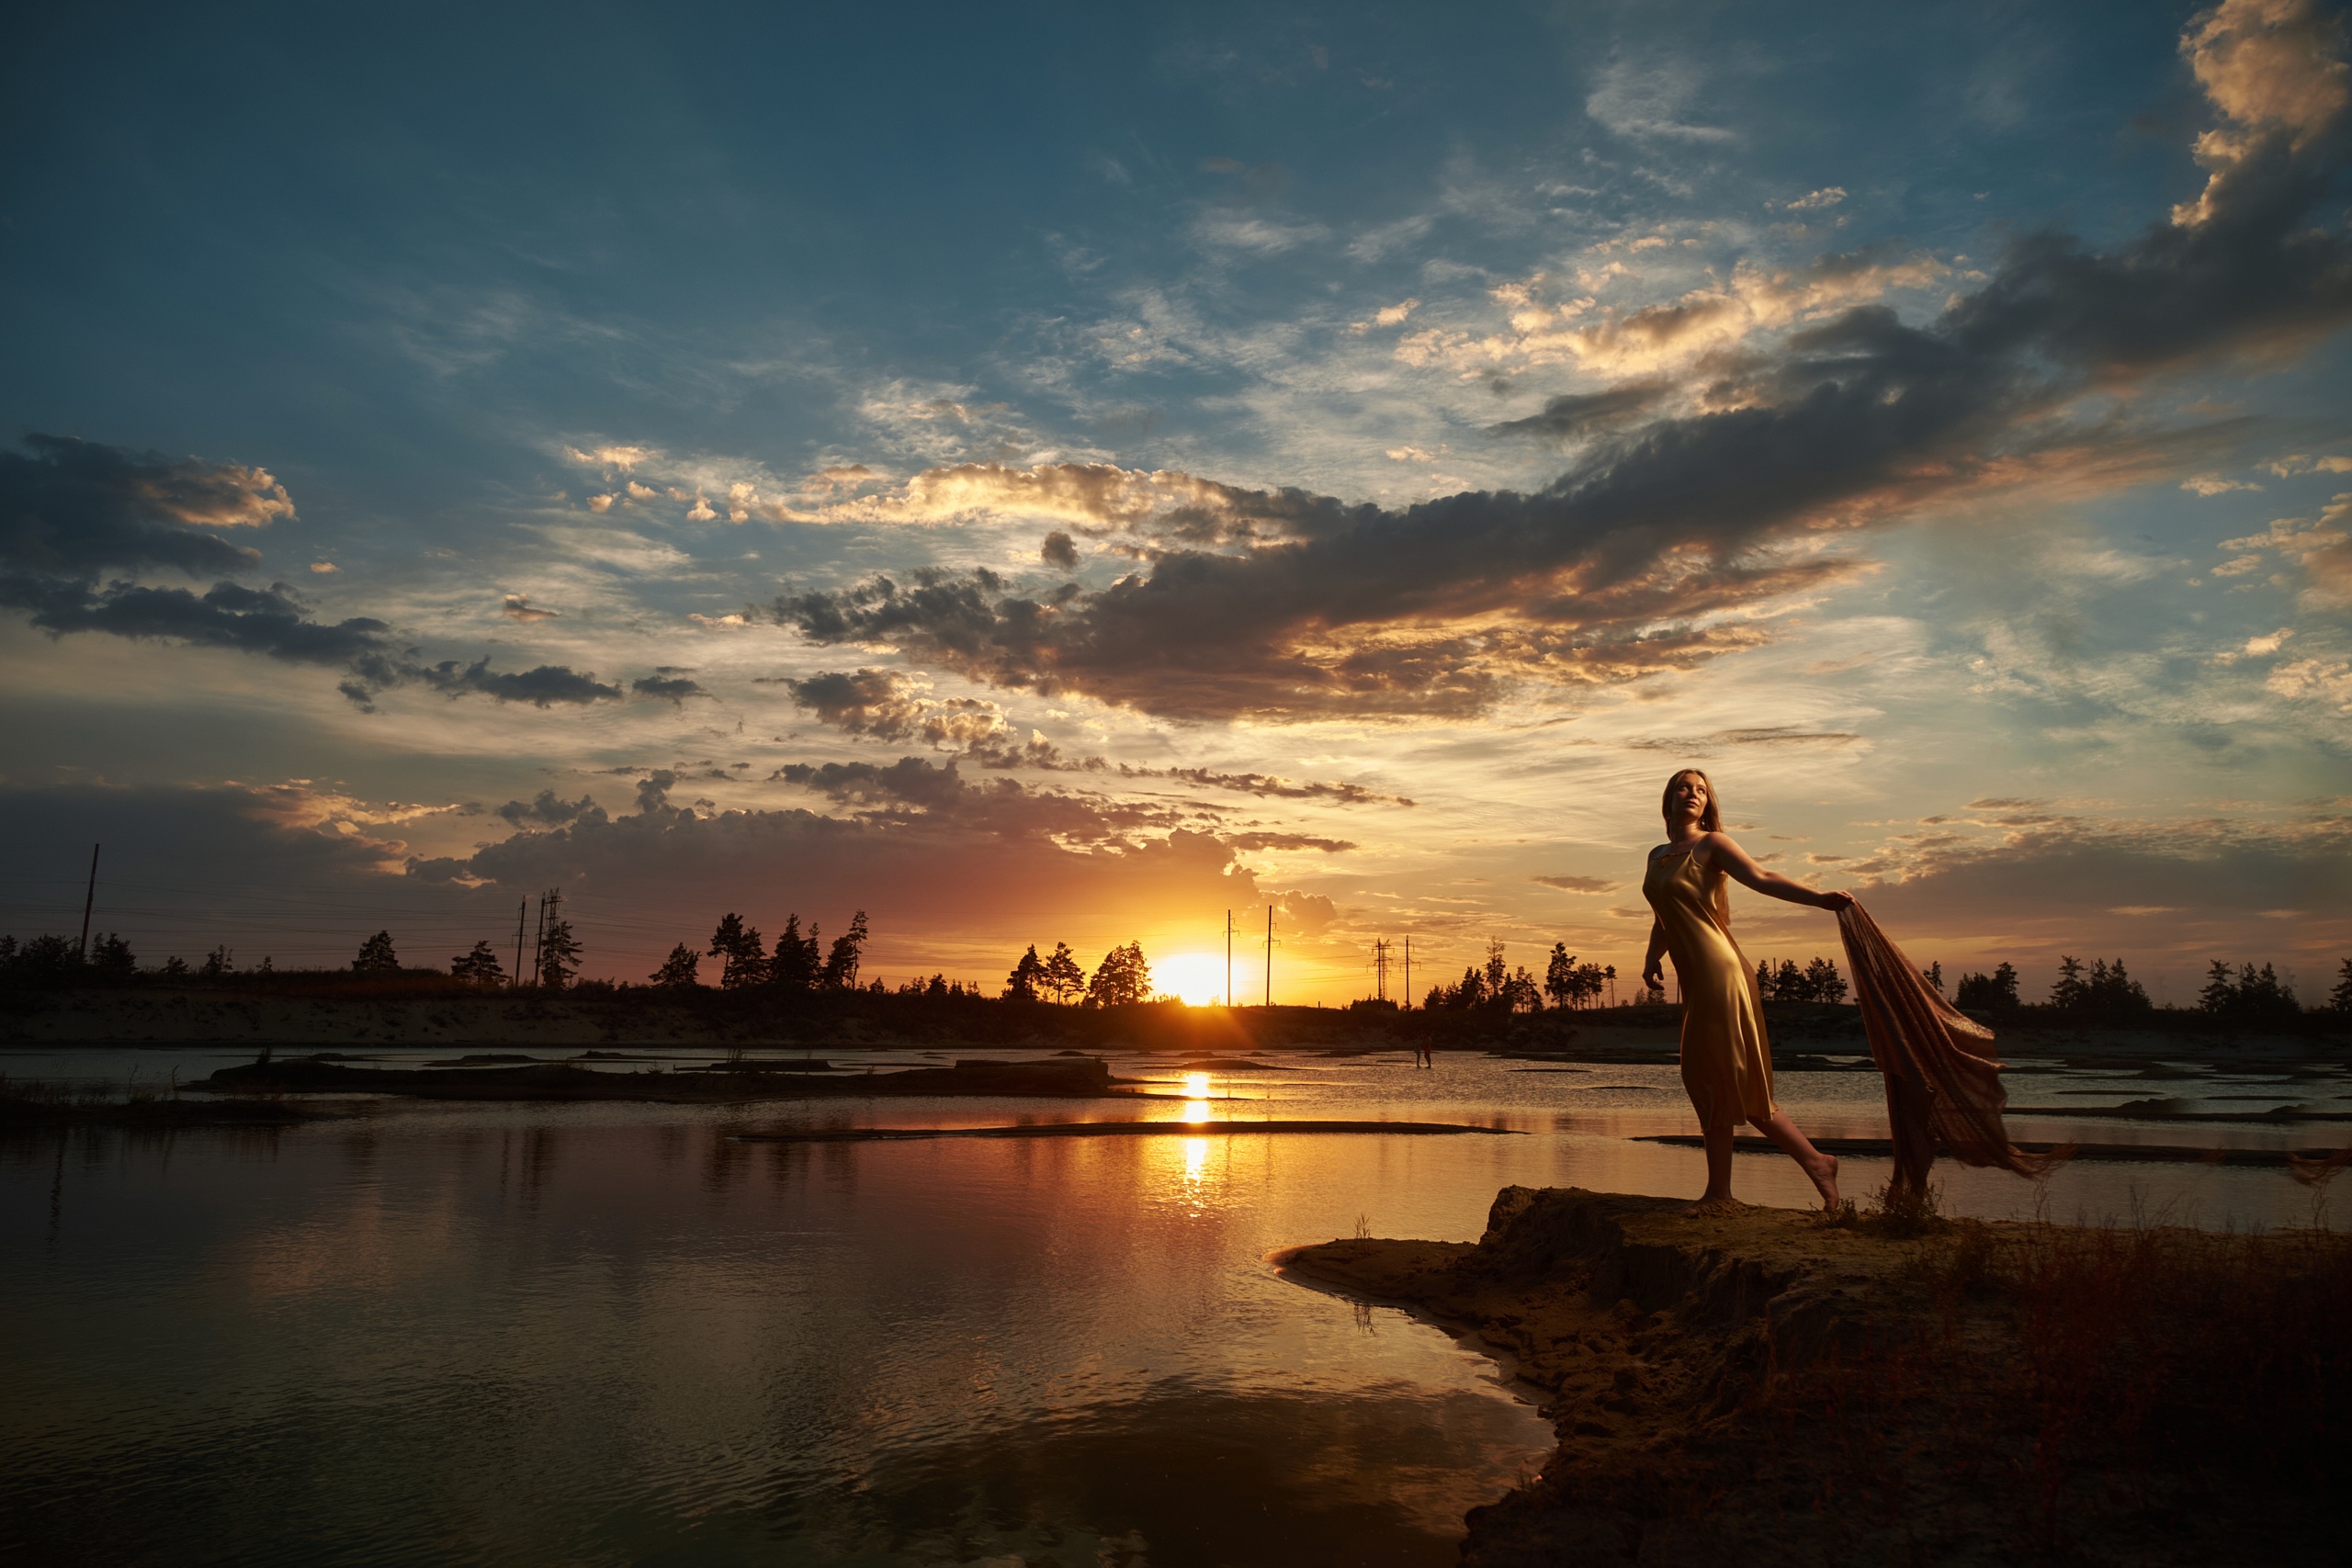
1726, 1061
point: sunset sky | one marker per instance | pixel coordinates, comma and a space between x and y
1051, 473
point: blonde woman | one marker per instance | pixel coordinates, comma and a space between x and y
1726, 1060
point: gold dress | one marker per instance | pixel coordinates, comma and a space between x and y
1726, 1060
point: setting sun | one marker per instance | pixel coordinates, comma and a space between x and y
1197, 977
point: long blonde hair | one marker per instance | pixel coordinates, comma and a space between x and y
1711, 819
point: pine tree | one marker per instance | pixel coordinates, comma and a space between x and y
1122, 977
375, 956
1763, 979
111, 961
2069, 990
743, 957
1559, 976
1028, 975
2340, 999
679, 970
559, 955
478, 968
1064, 976
1824, 983
2220, 992
1498, 973
794, 966
839, 973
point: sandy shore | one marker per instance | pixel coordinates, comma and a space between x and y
1764, 1386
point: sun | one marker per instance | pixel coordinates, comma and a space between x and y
1198, 978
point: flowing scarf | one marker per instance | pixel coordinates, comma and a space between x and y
1942, 1084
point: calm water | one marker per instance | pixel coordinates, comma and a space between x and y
613, 1334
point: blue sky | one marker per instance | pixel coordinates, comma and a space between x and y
1861, 403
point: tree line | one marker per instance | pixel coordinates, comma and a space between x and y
802, 961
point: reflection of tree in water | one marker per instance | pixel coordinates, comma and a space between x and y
722, 1162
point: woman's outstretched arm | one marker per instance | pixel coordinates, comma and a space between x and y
1726, 855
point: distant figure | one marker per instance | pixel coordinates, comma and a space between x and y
1726, 1060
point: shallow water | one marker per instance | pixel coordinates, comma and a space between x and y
611, 1333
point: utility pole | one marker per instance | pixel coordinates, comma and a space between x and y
89, 900
538, 931
1229, 958
1270, 956
1408, 969
1380, 969
522, 907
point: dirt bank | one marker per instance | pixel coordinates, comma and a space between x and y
1765, 1387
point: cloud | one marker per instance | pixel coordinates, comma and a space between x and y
889, 705
1058, 550
1662, 543
2273, 69
1646, 101
1271, 785
2214, 484
520, 608
2044, 879
72, 508
547, 811
672, 688
268, 621
2322, 550
543, 686
1826, 196
1579, 883
1576, 417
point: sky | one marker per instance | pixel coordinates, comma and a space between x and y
1054, 473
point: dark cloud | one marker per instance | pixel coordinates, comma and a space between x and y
73, 508
1613, 569
1271, 785
268, 621
1577, 884
675, 689
541, 686
547, 811
1060, 550
1578, 416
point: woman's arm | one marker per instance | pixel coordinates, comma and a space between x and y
1725, 855
1653, 963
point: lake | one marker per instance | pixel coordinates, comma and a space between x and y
448, 1332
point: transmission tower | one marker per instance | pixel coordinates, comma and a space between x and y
1380, 969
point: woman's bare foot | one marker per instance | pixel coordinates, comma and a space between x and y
1825, 1181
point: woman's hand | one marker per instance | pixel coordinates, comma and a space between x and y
1833, 902
1653, 977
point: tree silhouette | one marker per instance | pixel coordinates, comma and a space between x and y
742, 958
2340, 999
2069, 991
559, 955
1824, 983
478, 968
218, 964
794, 966
1027, 978
1064, 975
841, 965
1560, 975
678, 970
1121, 978
1997, 992
375, 956
112, 961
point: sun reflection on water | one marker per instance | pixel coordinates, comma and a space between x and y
1196, 1103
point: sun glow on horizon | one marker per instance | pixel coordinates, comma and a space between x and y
1197, 977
